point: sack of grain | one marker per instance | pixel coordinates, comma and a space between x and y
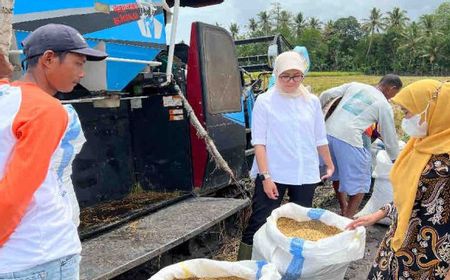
298, 258
382, 189
199, 269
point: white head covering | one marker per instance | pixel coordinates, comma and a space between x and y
288, 61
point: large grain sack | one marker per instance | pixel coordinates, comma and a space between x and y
382, 188
209, 269
299, 258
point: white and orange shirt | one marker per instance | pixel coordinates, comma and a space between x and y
36, 223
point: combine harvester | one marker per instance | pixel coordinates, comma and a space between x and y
143, 161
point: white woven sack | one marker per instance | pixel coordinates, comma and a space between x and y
296, 258
251, 270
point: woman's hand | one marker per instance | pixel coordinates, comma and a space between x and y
329, 172
270, 189
447, 277
367, 220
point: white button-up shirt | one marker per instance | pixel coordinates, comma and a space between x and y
291, 129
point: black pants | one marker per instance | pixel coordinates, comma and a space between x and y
262, 205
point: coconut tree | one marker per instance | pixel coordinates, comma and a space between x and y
285, 20
299, 24
314, 23
234, 30
252, 25
412, 39
396, 19
432, 50
264, 21
372, 25
429, 25
328, 29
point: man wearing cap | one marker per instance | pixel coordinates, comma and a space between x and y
288, 133
38, 238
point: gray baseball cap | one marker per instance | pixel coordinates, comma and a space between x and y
59, 38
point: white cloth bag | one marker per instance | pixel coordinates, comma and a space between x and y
251, 270
296, 258
382, 189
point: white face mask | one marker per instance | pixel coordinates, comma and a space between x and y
413, 128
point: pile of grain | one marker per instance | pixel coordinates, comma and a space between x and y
309, 230
217, 278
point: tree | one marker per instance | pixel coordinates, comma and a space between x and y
234, 30
252, 25
428, 23
412, 42
276, 11
264, 21
285, 23
314, 23
372, 25
299, 24
397, 19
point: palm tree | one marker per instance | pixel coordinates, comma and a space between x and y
252, 25
431, 50
314, 23
299, 23
328, 29
264, 20
285, 19
372, 25
234, 30
428, 23
276, 11
413, 41
397, 19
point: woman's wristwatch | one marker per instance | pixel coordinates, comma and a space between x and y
264, 175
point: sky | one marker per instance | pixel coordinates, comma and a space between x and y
240, 11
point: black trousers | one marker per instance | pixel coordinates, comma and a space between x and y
262, 206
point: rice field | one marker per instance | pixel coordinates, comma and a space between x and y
321, 81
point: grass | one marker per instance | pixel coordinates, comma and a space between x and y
320, 83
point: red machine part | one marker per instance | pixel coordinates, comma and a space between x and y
195, 98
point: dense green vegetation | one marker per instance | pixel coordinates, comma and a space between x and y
381, 43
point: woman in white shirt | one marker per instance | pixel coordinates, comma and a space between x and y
288, 133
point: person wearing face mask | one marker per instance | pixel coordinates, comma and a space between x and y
288, 133
417, 244
360, 106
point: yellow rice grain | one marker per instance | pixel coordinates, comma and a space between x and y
308, 230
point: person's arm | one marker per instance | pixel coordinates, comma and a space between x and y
368, 220
38, 134
332, 93
259, 137
6, 69
388, 132
320, 135
270, 188
324, 153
